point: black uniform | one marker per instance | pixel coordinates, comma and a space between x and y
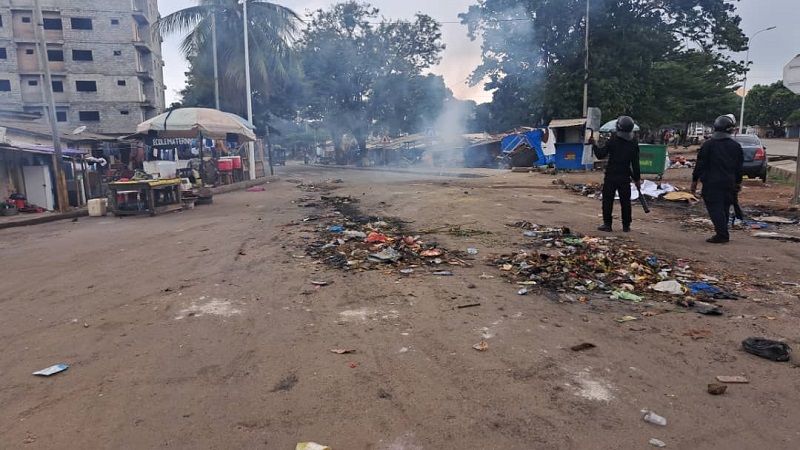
719, 168
622, 167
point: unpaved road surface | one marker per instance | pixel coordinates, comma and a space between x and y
202, 330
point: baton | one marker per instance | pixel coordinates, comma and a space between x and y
643, 200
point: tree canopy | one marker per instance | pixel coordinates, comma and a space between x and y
363, 69
273, 30
642, 54
772, 106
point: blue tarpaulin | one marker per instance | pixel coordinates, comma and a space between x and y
532, 139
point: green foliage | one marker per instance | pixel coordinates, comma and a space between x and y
642, 52
362, 69
272, 32
772, 106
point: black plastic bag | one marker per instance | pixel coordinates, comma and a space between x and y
767, 348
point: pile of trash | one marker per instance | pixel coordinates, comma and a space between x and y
566, 262
352, 241
680, 162
590, 190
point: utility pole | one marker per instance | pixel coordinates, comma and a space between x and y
214, 51
58, 163
586, 67
251, 154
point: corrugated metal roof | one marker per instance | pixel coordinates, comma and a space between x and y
564, 123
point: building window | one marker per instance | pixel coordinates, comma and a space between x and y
114, 21
89, 116
81, 23
121, 83
5, 85
82, 55
61, 116
55, 55
52, 24
3, 54
86, 86
28, 51
58, 86
124, 112
33, 82
117, 52
26, 20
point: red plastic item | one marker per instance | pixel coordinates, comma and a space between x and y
376, 237
225, 165
19, 202
237, 162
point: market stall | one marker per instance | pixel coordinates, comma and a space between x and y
201, 144
129, 198
570, 142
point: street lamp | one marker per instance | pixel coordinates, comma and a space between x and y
746, 69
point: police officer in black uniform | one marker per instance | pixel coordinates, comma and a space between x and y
622, 151
719, 168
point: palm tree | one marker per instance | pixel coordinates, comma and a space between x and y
272, 31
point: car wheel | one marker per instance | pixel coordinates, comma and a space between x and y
763, 175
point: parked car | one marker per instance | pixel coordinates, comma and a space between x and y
755, 156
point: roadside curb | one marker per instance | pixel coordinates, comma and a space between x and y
242, 185
44, 219
786, 173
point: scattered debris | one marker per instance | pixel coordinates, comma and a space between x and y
52, 370
472, 251
680, 197
469, 305
522, 291
624, 319
256, 189
321, 283
767, 348
776, 220
657, 443
710, 311
311, 446
583, 346
654, 418
670, 287
560, 260
717, 389
443, 273
624, 295
342, 351
481, 346
732, 379
777, 236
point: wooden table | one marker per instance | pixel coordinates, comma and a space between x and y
153, 196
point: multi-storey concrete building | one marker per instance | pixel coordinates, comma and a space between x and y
106, 64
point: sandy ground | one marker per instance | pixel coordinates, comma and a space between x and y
202, 330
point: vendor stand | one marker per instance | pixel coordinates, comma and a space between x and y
130, 198
570, 143
199, 134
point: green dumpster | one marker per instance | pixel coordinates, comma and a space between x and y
653, 158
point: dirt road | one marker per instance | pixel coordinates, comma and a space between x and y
202, 330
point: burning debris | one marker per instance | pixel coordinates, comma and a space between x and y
351, 241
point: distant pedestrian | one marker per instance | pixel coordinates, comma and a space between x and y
719, 168
622, 151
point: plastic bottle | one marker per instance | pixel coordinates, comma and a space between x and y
655, 419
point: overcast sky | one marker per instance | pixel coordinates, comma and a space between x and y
769, 53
